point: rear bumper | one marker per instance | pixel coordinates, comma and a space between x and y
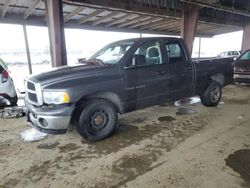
50, 120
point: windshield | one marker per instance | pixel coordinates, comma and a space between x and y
245, 56
112, 53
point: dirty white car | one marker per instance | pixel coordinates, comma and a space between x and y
8, 94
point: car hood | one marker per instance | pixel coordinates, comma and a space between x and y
67, 72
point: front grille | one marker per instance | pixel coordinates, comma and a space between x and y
32, 97
31, 86
240, 69
32, 93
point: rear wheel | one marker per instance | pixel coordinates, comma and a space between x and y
97, 120
212, 95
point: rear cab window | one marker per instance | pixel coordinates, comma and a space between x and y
174, 51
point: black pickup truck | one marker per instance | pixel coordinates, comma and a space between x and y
123, 76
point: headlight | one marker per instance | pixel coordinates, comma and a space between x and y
55, 97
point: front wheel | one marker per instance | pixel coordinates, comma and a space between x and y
212, 95
97, 120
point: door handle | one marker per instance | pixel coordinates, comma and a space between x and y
162, 72
188, 68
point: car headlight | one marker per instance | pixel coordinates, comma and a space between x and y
55, 97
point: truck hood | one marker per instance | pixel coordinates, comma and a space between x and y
67, 72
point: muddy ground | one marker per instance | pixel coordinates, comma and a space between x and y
155, 147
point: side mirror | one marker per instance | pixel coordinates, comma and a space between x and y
138, 60
81, 60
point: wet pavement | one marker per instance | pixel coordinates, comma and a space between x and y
161, 146
239, 161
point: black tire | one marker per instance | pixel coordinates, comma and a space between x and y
97, 120
14, 101
212, 95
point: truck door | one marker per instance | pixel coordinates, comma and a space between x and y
180, 70
145, 76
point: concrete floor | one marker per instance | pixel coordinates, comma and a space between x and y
153, 147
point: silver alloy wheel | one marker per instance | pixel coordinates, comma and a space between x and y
215, 94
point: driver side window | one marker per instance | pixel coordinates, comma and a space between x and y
148, 53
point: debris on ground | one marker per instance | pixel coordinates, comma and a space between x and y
32, 135
48, 145
12, 112
187, 101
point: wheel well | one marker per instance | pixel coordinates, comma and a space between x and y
109, 96
218, 78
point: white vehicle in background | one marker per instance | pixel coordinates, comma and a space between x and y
229, 54
8, 94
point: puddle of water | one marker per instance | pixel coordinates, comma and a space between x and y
185, 111
166, 119
239, 161
187, 101
32, 135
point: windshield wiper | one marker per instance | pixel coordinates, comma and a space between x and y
92, 62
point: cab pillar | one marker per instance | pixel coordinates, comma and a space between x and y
246, 37
56, 32
189, 20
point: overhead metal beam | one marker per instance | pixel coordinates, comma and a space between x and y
151, 21
166, 25
125, 5
221, 8
140, 19
122, 20
5, 7
31, 9
156, 24
105, 18
89, 16
73, 13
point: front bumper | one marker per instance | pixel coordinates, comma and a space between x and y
242, 78
51, 120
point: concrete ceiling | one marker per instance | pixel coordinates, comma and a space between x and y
150, 16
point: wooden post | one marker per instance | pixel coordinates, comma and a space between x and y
56, 32
190, 16
27, 48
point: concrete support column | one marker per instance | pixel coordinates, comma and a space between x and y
190, 16
246, 38
56, 32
